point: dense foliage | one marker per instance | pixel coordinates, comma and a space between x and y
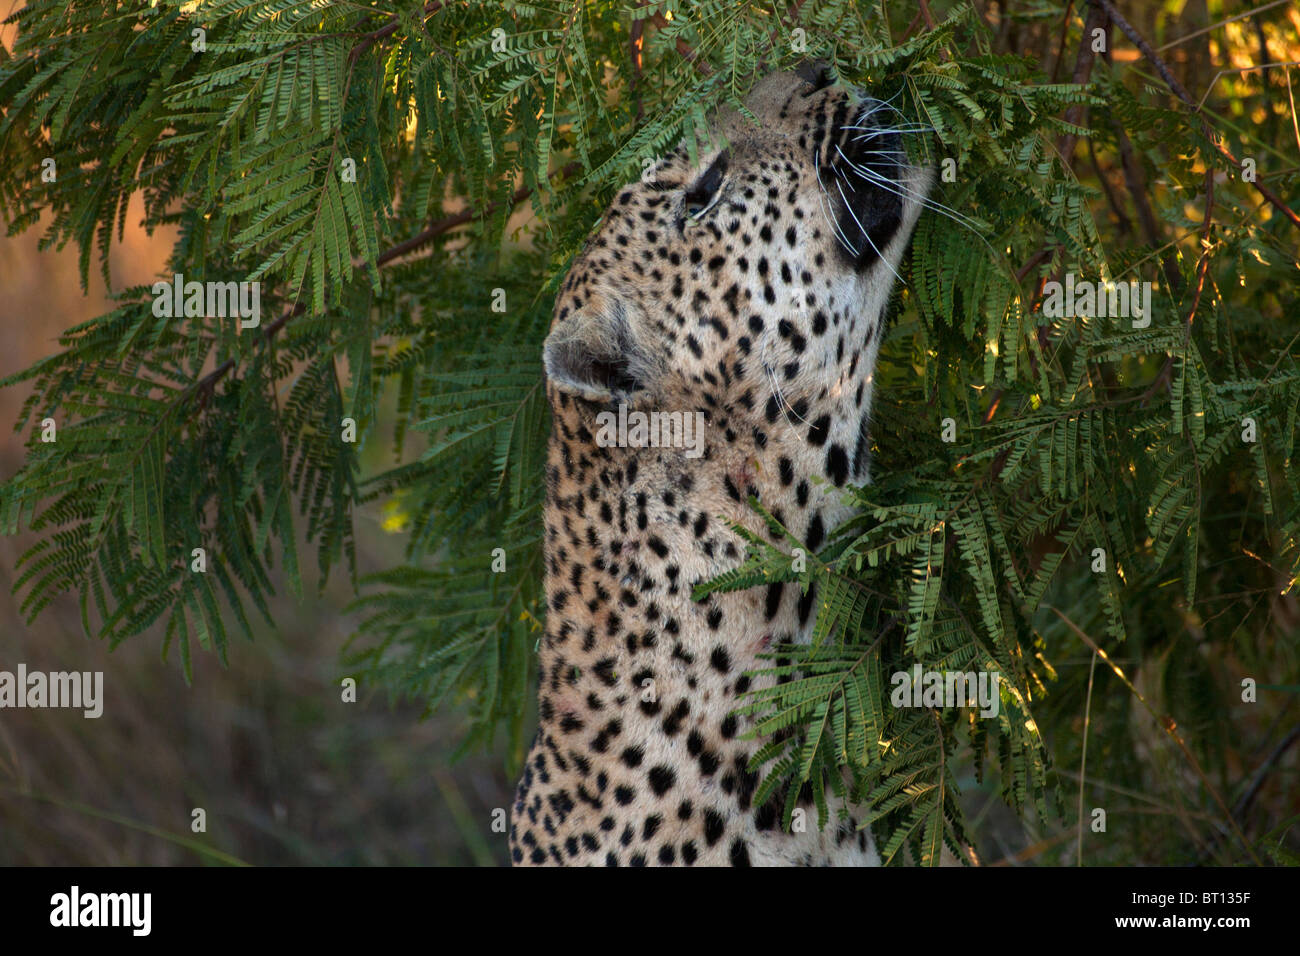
1103, 510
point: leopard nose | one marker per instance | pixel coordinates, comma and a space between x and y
815, 72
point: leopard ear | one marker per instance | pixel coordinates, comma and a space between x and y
595, 358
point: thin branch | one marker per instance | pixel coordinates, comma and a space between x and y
925, 12
1060, 46
929, 22
204, 386
1215, 26
1083, 63
636, 40
1295, 125
688, 52
1136, 181
1034, 260
1124, 225
1243, 804
1083, 760
1202, 267
1179, 91
1257, 781
387, 30
1266, 65
1169, 726
916, 21
1035, 849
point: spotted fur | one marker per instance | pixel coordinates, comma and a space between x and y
749, 285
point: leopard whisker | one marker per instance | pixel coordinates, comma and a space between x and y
782, 402
884, 130
822, 195
865, 235
905, 191
878, 104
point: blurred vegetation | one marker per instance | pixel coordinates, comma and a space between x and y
287, 773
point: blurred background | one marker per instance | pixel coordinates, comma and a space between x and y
286, 771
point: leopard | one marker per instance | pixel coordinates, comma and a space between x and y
742, 281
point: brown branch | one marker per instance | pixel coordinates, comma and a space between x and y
1074, 115
1034, 260
916, 21
1060, 46
1265, 57
1033, 850
203, 387
1082, 74
1125, 227
1202, 267
636, 40
1083, 63
1243, 804
1178, 90
688, 52
387, 30
1136, 181
925, 12
929, 22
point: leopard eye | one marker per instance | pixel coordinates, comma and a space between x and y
701, 195
697, 206
699, 198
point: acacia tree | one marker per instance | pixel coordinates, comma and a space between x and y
1101, 508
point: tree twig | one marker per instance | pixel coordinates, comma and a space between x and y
925, 12
203, 387
688, 52
636, 39
1121, 218
1202, 267
1243, 803
1083, 760
1083, 63
387, 30
1179, 91
1060, 46
1169, 726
